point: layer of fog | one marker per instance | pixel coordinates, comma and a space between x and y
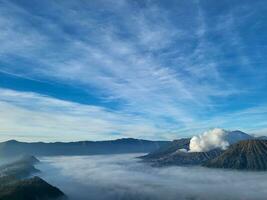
121, 177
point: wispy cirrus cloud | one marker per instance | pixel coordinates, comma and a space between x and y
167, 65
25, 114
31, 116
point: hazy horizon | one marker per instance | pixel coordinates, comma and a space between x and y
69, 141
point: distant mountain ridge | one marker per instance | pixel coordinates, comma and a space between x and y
125, 145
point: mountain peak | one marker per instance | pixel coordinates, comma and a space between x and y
12, 141
245, 155
236, 136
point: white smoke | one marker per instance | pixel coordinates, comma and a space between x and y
182, 150
215, 138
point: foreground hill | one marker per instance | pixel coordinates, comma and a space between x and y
29, 189
245, 155
127, 145
16, 183
19, 168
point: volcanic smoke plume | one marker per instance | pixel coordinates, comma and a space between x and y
215, 138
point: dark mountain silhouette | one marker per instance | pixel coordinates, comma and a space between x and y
16, 183
29, 189
127, 145
245, 155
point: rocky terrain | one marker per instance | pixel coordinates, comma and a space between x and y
176, 154
245, 152
168, 149
180, 158
245, 155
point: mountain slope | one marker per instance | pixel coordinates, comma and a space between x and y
127, 145
29, 189
180, 158
245, 155
169, 148
20, 168
262, 138
236, 136
175, 153
15, 183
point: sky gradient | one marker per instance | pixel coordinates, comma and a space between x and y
153, 69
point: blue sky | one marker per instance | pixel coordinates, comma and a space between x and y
105, 69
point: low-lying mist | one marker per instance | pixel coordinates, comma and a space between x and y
122, 177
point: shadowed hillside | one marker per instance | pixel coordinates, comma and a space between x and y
29, 189
16, 183
245, 155
169, 148
20, 168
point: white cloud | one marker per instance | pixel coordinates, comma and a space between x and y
123, 177
24, 115
120, 69
127, 57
